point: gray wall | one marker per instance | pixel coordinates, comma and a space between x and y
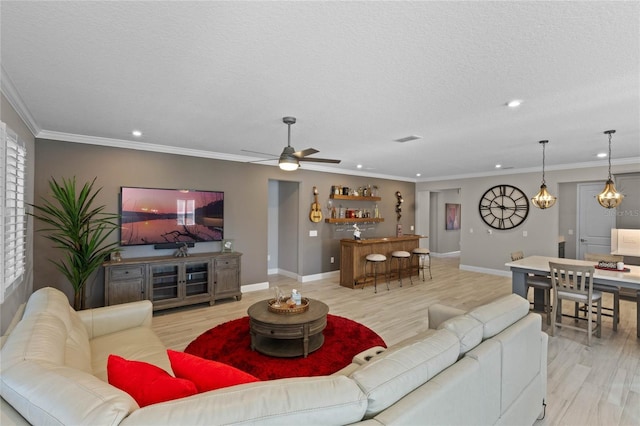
448, 240
21, 292
288, 223
247, 208
482, 251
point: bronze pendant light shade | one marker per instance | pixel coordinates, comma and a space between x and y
609, 198
543, 200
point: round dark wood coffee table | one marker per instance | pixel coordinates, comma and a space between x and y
287, 335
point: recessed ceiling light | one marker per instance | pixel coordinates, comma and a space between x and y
498, 166
418, 174
136, 133
359, 166
602, 155
514, 103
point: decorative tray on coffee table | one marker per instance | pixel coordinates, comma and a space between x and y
286, 310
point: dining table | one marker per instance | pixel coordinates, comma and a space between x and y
539, 265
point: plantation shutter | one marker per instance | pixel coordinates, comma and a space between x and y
13, 224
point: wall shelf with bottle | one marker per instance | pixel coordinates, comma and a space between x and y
355, 220
354, 197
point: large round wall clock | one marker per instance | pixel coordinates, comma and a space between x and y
503, 207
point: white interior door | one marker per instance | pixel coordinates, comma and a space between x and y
594, 221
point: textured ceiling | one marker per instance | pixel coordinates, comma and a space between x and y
215, 78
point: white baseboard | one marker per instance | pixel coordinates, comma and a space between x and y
248, 288
300, 278
448, 254
315, 277
486, 270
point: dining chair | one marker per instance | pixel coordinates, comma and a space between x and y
539, 282
575, 284
614, 290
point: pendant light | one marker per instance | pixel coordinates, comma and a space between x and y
543, 200
609, 198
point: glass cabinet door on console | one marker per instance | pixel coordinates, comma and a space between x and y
169, 282
196, 279
179, 283
164, 283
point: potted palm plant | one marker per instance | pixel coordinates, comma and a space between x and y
74, 225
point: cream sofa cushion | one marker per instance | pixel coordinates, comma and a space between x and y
49, 394
469, 331
321, 400
77, 348
500, 314
39, 337
138, 343
397, 371
49, 301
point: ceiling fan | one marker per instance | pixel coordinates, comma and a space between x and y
290, 159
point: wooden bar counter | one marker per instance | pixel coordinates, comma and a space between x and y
353, 253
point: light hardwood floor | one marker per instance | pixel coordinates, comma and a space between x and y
597, 385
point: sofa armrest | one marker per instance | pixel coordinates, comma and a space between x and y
440, 313
110, 319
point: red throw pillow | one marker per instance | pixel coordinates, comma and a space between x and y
207, 375
146, 383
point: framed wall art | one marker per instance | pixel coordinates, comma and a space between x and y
452, 216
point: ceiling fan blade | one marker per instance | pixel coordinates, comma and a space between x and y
319, 160
305, 152
261, 153
262, 161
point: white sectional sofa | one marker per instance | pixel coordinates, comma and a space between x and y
487, 366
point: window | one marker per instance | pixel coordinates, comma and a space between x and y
13, 224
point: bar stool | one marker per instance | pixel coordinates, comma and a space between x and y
399, 255
422, 254
374, 260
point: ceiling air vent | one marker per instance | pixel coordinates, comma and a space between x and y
408, 138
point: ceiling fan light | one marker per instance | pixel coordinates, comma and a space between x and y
609, 198
543, 200
288, 163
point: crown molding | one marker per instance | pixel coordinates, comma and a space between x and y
601, 163
15, 100
139, 146
166, 149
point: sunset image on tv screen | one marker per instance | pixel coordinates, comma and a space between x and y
156, 216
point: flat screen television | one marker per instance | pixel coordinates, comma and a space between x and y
166, 217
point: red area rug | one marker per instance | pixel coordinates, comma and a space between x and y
230, 343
